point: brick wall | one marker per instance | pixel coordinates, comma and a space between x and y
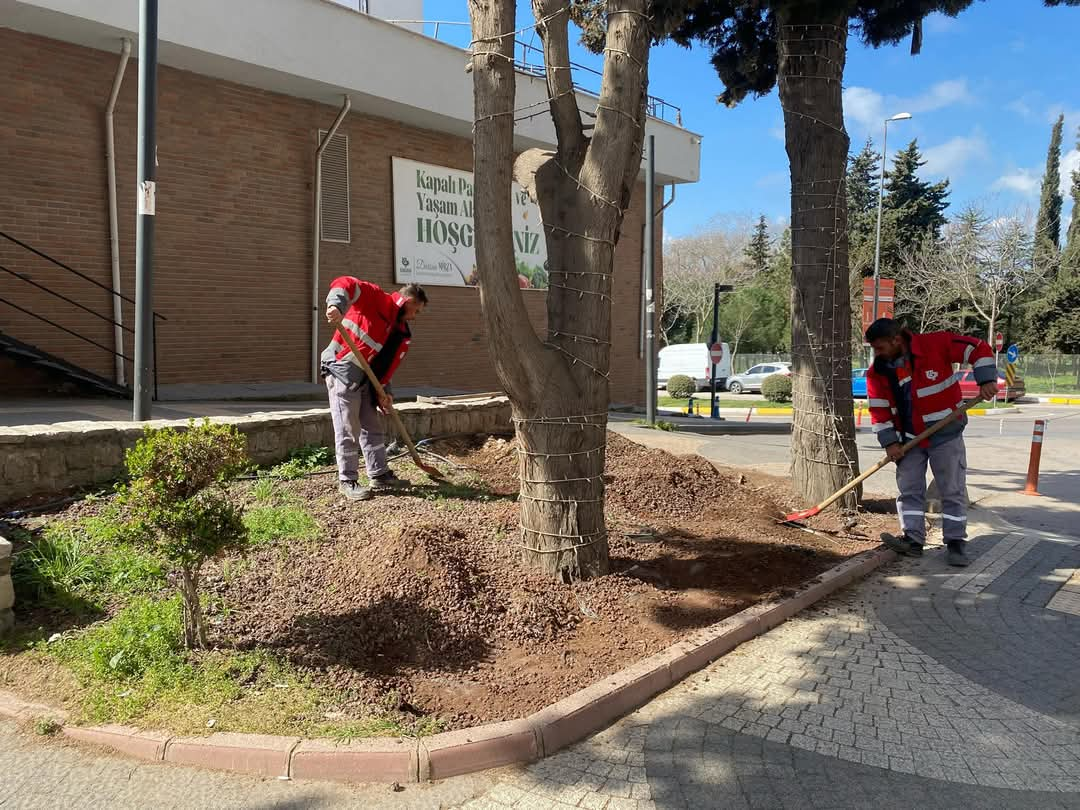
233, 229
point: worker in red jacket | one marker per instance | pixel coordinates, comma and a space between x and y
378, 323
910, 386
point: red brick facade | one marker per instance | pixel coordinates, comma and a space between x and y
233, 228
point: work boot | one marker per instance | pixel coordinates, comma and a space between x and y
353, 491
955, 555
903, 545
386, 482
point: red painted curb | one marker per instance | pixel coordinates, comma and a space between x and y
476, 749
469, 750
378, 760
261, 754
127, 740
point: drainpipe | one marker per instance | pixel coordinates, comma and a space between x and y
114, 236
316, 292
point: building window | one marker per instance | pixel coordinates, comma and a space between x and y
334, 205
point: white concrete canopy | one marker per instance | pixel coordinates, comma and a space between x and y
320, 50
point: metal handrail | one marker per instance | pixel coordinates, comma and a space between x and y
21, 277
63, 266
655, 106
63, 328
153, 330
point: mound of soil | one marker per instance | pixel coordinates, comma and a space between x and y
422, 594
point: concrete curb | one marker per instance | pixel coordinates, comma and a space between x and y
455, 753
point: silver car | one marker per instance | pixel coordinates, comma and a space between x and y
752, 379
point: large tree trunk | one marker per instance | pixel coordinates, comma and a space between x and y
812, 50
558, 387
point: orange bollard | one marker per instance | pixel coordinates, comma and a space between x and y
1031, 487
748, 412
858, 418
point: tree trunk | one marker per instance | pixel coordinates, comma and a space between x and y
194, 628
812, 50
558, 387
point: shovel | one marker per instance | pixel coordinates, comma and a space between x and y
432, 472
795, 517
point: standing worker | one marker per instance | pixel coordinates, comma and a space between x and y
910, 386
378, 323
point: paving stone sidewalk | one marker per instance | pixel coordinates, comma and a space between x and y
845, 706
920, 687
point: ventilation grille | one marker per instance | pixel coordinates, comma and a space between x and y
334, 222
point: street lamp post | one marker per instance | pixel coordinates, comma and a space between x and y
880, 197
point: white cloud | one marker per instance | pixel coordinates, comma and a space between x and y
1022, 181
864, 106
949, 159
869, 109
1070, 162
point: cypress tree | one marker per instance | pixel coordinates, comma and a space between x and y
1048, 223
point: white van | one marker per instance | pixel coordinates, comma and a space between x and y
692, 359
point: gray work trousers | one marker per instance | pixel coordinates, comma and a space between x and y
358, 426
948, 461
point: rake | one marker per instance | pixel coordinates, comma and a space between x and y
795, 518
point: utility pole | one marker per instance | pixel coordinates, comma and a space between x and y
714, 338
146, 197
650, 302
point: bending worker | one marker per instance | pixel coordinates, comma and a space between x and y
378, 324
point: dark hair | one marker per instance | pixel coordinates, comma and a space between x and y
415, 292
883, 328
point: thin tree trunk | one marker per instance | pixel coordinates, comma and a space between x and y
194, 627
812, 51
558, 388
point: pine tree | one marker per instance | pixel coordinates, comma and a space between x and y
916, 208
1048, 223
862, 193
759, 249
1070, 258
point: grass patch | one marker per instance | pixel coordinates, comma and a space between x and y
82, 566
133, 669
303, 461
46, 727
659, 424
264, 489
267, 524
703, 404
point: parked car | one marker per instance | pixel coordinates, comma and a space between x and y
752, 379
858, 383
692, 359
970, 389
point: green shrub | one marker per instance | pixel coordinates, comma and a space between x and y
681, 387
777, 388
175, 503
302, 461
265, 524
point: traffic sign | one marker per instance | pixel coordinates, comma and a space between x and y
716, 353
1013, 353
1010, 375
999, 341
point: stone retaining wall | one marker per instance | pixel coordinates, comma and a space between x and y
7, 592
39, 459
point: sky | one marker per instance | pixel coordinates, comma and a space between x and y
983, 95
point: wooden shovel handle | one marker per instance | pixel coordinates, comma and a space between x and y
926, 434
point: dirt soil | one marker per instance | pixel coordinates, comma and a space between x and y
420, 595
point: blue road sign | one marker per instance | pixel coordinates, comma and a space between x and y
1012, 354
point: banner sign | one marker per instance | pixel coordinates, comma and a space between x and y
434, 235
